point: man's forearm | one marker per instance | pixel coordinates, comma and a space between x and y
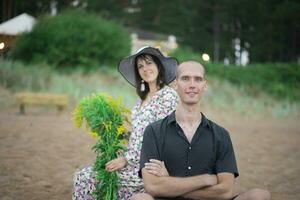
218, 191
167, 186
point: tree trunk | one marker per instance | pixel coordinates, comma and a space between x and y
8, 10
216, 32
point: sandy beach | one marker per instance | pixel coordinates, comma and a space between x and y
40, 151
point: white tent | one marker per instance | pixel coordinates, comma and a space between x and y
19, 24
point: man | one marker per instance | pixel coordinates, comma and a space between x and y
187, 156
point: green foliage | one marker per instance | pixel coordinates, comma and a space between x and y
279, 80
36, 8
74, 38
14, 76
269, 30
105, 118
185, 53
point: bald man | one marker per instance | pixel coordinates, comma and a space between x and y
187, 156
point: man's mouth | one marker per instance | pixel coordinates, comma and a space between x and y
191, 93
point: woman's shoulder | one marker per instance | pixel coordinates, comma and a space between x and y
167, 93
167, 89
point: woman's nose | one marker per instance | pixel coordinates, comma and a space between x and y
145, 67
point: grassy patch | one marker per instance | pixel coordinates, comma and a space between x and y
223, 94
16, 77
279, 80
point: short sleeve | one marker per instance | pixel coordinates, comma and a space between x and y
226, 161
149, 148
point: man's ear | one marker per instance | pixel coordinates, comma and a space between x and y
205, 85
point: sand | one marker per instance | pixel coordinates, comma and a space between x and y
40, 151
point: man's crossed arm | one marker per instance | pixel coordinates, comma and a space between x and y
159, 184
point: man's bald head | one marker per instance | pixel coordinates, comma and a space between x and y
189, 63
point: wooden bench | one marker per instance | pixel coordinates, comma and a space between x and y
31, 98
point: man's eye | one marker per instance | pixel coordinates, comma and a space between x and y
199, 79
184, 78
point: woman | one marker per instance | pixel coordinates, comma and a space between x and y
150, 72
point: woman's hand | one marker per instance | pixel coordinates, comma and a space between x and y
116, 164
156, 167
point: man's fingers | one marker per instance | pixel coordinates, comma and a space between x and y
155, 161
153, 172
154, 164
152, 168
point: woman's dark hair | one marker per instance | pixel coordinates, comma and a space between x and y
160, 82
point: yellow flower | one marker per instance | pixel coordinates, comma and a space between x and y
76, 115
121, 130
124, 142
126, 110
94, 135
114, 103
106, 96
107, 125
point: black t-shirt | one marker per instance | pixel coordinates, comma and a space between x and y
210, 150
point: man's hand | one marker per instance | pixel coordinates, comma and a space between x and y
156, 167
116, 164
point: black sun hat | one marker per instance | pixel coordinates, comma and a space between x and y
127, 65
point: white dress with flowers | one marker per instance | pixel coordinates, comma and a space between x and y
158, 107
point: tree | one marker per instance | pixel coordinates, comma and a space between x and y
73, 38
268, 29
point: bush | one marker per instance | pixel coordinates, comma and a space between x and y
73, 38
277, 79
185, 53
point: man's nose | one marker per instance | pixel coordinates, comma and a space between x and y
192, 83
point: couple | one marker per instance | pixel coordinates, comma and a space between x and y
181, 154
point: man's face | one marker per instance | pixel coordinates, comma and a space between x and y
190, 83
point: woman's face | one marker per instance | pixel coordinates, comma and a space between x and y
147, 69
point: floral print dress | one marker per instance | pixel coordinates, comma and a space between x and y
159, 106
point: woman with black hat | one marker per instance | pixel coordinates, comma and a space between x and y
149, 71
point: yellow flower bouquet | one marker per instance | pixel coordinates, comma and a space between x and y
105, 118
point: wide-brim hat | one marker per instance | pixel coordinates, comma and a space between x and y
127, 65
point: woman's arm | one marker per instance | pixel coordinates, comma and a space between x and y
116, 164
